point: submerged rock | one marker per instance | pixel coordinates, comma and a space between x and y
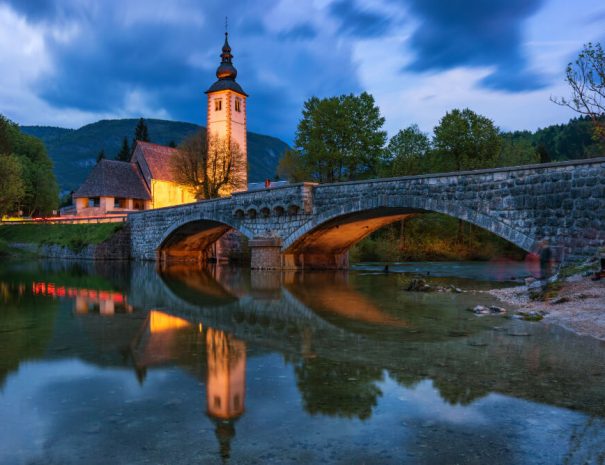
418, 285
483, 310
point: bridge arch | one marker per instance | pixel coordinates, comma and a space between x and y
192, 238
329, 234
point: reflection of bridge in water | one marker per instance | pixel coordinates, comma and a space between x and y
320, 316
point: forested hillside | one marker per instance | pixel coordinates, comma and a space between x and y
74, 151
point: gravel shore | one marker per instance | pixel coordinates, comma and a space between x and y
579, 306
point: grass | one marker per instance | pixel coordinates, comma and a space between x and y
74, 236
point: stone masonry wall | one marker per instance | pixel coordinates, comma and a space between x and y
563, 202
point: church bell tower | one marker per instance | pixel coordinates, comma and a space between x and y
227, 117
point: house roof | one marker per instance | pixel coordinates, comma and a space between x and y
157, 157
112, 178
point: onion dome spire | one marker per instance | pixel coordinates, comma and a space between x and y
226, 72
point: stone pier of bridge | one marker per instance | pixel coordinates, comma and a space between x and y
310, 225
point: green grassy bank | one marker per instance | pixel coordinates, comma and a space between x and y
74, 236
433, 237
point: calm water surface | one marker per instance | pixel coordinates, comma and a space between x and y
112, 364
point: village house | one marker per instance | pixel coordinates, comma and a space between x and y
146, 182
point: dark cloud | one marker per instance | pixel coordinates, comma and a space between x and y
43, 10
475, 33
359, 22
170, 63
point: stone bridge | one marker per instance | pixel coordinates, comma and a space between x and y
311, 225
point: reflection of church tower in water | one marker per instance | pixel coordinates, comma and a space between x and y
226, 384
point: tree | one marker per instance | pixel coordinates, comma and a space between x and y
209, 167
172, 144
141, 132
517, 149
124, 153
41, 193
586, 77
101, 155
340, 138
465, 140
12, 189
407, 152
34, 183
292, 167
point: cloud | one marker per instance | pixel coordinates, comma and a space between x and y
73, 62
304, 31
358, 22
132, 60
475, 33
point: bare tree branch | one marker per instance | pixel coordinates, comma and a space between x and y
212, 167
586, 77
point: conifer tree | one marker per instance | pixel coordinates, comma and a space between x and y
124, 153
141, 132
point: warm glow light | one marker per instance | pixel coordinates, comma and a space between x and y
160, 322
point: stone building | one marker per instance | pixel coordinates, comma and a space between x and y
146, 182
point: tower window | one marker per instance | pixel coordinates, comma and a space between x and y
218, 104
238, 104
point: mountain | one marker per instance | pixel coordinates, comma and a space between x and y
74, 151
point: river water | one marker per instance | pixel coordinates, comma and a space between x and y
126, 364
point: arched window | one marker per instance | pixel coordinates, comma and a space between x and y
218, 104
252, 213
239, 213
293, 210
265, 212
279, 211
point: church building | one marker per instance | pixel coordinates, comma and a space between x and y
147, 181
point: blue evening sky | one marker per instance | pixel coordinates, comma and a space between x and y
73, 62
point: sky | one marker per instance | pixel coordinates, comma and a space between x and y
72, 62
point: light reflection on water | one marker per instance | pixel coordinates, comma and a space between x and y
130, 366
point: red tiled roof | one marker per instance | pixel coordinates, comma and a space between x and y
158, 158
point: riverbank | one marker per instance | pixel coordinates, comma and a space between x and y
106, 241
578, 305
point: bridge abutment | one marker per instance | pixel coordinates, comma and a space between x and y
267, 254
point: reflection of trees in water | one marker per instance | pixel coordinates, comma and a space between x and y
586, 443
340, 389
456, 393
26, 327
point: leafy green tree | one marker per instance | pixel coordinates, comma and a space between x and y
465, 140
101, 155
517, 149
407, 152
124, 153
341, 138
172, 144
41, 193
34, 181
141, 132
586, 78
292, 167
12, 189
